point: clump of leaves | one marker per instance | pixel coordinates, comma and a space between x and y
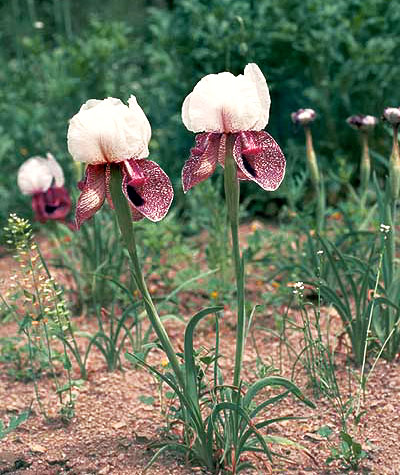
13, 423
348, 452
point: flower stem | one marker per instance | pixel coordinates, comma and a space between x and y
365, 168
316, 181
124, 218
232, 191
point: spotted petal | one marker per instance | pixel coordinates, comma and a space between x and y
38, 205
54, 204
93, 193
260, 159
149, 195
203, 159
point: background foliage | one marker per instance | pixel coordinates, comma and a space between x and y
337, 56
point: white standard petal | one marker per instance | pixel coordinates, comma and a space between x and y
143, 123
227, 103
55, 170
108, 131
34, 176
253, 72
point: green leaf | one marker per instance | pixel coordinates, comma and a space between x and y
15, 421
325, 431
276, 439
244, 466
29, 295
149, 400
190, 366
67, 363
346, 437
274, 381
356, 449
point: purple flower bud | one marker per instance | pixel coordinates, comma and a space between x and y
392, 115
362, 122
303, 116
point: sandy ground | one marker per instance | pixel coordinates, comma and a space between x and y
113, 428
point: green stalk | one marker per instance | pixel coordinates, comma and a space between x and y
363, 380
232, 202
316, 180
124, 218
311, 158
365, 168
394, 166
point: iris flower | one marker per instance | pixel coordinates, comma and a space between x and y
392, 115
221, 105
363, 123
303, 116
43, 179
109, 132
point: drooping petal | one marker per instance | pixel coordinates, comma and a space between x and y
34, 176
221, 157
226, 103
148, 190
108, 131
56, 170
54, 204
57, 203
38, 205
92, 195
260, 159
203, 159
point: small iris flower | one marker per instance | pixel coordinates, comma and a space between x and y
223, 104
109, 132
43, 179
303, 116
392, 115
363, 123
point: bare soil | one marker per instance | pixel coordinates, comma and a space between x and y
113, 428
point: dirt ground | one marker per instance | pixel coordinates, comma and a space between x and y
113, 428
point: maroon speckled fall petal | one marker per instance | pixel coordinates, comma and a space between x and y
202, 161
38, 204
54, 204
136, 216
221, 157
148, 190
260, 159
93, 193
58, 203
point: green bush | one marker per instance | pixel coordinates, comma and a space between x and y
337, 56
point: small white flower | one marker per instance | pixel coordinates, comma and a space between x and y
228, 104
298, 288
109, 131
392, 115
384, 228
320, 252
303, 116
362, 122
37, 174
39, 25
